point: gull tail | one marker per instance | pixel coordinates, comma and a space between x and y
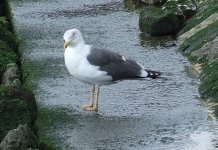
153, 74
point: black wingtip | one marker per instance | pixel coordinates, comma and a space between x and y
153, 74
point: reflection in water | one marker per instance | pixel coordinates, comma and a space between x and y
162, 41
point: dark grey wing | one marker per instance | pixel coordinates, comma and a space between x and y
113, 64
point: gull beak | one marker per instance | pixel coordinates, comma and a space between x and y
66, 44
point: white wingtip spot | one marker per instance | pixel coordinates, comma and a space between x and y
144, 73
123, 58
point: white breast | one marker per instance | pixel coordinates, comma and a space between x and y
79, 67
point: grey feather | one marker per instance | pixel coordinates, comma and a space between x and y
114, 65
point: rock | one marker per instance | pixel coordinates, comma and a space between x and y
7, 55
208, 51
15, 88
10, 74
184, 9
209, 83
155, 21
16, 109
19, 139
11, 80
211, 19
17, 104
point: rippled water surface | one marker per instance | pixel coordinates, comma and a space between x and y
141, 115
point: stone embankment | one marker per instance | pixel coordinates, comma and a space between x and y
18, 110
198, 40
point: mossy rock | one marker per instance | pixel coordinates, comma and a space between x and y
204, 11
5, 10
196, 41
4, 23
7, 55
21, 138
182, 8
207, 52
209, 78
9, 38
13, 113
155, 21
16, 109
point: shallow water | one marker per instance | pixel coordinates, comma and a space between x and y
152, 114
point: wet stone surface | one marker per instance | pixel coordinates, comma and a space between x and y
152, 114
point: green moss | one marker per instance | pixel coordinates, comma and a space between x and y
7, 55
13, 110
192, 46
9, 38
7, 14
4, 23
196, 41
27, 75
47, 118
155, 21
16, 107
209, 78
17, 104
13, 113
31, 71
204, 11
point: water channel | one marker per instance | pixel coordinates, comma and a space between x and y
135, 115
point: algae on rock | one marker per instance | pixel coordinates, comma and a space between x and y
21, 138
156, 21
167, 20
17, 103
7, 55
198, 40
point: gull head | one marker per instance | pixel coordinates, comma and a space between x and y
72, 38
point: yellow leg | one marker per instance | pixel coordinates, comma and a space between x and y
93, 95
93, 106
97, 96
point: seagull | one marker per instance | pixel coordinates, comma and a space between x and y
97, 67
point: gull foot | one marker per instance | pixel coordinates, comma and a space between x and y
90, 107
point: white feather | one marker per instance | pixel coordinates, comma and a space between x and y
79, 67
143, 72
